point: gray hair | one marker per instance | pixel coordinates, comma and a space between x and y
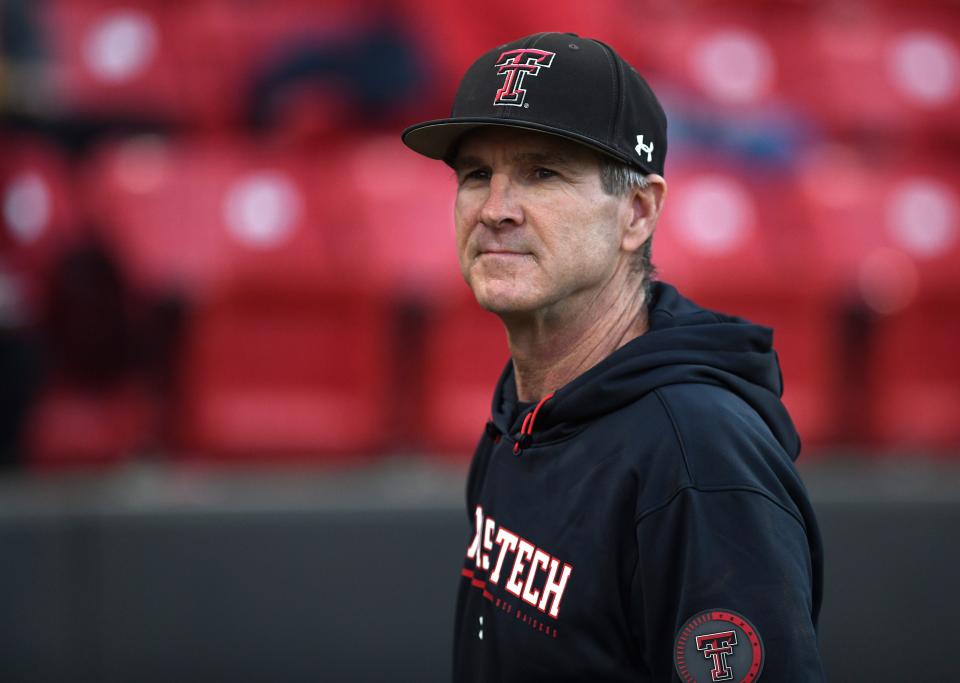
618, 179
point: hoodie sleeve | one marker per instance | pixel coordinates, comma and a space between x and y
723, 590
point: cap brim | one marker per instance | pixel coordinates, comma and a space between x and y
437, 139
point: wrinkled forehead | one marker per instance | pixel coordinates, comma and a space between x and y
512, 144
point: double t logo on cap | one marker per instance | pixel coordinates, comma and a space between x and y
516, 64
592, 97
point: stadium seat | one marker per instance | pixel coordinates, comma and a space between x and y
271, 252
891, 70
193, 62
733, 239
455, 34
228, 44
116, 58
157, 207
405, 204
734, 59
71, 426
39, 214
292, 372
851, 68
465, 349
914, 387
186, 215
96, 402
893, 229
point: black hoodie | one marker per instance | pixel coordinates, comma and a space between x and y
645, 522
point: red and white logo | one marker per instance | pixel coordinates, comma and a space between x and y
515, 65
718, 645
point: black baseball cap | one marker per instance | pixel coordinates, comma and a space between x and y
557, 83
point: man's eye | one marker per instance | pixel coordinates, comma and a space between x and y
475, 174
544, 173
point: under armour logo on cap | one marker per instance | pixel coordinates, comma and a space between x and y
516, 64
641, 148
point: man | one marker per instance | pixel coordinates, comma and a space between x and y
636, 513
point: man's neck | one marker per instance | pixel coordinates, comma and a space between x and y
550, 351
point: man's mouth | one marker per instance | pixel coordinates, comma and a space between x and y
502, 252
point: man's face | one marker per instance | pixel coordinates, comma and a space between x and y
535, 230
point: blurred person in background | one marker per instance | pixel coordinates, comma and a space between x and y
21, 66
24, 87
366, 76
636, 511
19, 370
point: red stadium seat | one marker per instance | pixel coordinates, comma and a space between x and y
405, 204
39, 215
883, 69
734, 59
454, 34
894, 229
286, 346
734, 240
228, 43
195, 61
72, 427
115, 57
465, 349
42, 222
851, 66
186, 216
914, 388
157, 205
292, 372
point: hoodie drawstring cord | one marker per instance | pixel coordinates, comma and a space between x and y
526, 429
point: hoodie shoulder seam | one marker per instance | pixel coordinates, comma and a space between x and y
718, 489
676, 433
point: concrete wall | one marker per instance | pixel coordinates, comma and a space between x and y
335, 594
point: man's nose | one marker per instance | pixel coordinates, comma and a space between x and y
501, 207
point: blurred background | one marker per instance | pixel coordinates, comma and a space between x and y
240, 376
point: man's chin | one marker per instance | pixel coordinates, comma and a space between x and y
503, 300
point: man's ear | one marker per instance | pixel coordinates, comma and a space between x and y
645, 207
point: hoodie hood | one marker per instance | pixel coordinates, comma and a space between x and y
685, 344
